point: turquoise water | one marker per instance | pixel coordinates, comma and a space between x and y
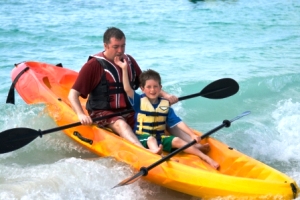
191, 43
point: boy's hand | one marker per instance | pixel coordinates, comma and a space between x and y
195, 137
121, 64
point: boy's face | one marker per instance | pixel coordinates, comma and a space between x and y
152, 89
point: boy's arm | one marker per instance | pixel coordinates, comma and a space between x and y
182, 126
129, 91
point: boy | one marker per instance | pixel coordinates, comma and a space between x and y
154, 113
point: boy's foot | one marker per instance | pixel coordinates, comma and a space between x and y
158, 150
205, 148
174, 159
213, 163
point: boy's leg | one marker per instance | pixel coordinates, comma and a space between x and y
186, 137
153, 146
124, 130
178, 143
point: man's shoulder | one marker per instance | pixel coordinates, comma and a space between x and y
132, 59
135, 65
92, 66
95, 56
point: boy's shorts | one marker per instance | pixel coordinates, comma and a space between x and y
166, 141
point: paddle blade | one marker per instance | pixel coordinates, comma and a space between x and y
13, 139
131, 179
220, 89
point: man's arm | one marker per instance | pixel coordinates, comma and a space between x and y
171, 98
76, 105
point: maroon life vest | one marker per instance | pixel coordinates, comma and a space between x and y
109, 93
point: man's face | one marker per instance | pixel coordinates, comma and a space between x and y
114, 48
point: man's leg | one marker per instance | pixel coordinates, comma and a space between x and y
124, 130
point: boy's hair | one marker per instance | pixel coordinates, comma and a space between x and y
112, 32
149, 74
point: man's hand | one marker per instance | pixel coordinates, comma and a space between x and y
85, 119
171, 98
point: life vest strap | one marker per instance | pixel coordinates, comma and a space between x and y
152, 124
152, 132
154, 114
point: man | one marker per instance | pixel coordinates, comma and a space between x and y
100, 79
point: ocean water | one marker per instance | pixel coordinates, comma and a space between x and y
191, 43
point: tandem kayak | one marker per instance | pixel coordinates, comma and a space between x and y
239, 175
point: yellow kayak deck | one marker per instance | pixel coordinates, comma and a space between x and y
239, 176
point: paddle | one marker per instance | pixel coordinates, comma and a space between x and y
13, 139
144, 170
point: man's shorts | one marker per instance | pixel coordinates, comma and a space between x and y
166, 141
129, 117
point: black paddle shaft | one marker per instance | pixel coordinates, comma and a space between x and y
13, 139
144, 170
79, 123
226, 123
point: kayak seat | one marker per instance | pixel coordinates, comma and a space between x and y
67, 81
59, 91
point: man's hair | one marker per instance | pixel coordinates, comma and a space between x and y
112, 32
149, 74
